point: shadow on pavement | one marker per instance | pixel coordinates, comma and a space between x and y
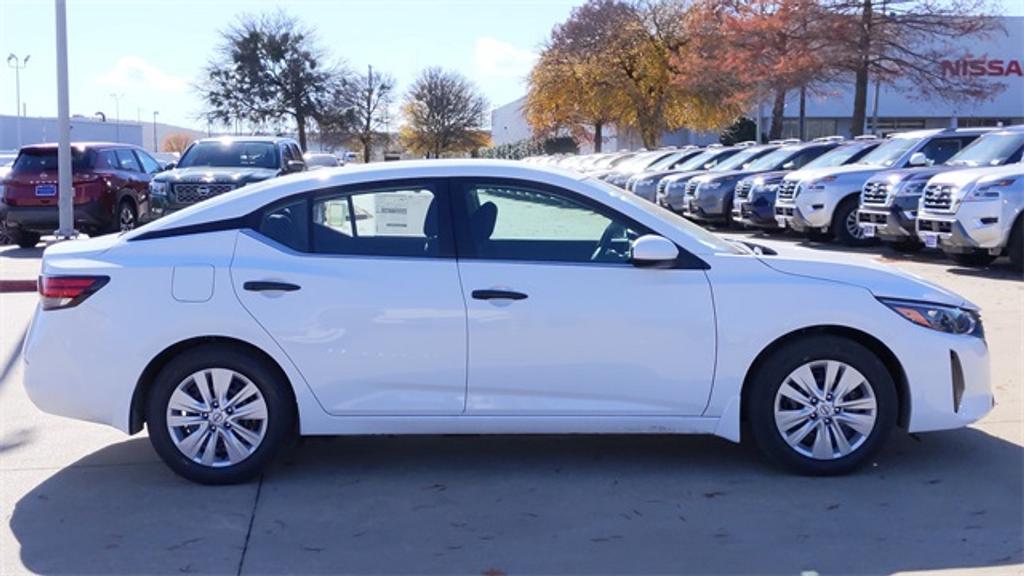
584, 504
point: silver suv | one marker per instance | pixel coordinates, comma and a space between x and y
824, 202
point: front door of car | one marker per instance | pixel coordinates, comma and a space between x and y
360, 287
561, 323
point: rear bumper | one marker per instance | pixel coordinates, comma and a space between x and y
46, 219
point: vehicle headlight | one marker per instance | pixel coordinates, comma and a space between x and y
911, 188
158, 188
949, 319
714, 185
989, 191
772, 187
821, 182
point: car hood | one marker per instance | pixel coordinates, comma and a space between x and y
965, 176
840, 171
233, 174
922, 173
767, 176
882, 281
684, 175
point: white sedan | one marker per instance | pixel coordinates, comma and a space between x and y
484, 297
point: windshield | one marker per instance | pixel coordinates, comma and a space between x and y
641, 161
836, 157
889, 152
698, 161
989, 150
741, 158
231, 154
667, 162
698, 233
773, 160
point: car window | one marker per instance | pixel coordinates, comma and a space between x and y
941, 149
521, 222
106, 160
126, 160
401, 221
149, 165
288, 225
296, 152
805, 156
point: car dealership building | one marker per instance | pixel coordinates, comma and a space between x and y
998, 58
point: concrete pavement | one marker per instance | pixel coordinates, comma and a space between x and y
83, 499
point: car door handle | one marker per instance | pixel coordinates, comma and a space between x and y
498, 295
266, 286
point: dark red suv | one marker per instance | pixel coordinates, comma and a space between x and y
111, 183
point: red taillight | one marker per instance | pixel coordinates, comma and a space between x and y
66, 291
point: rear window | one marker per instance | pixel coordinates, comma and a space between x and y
35, 160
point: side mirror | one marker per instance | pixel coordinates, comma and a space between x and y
653, 251
168, 166
789, 165
919, 159
295, 166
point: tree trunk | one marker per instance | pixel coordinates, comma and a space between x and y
598, 136
778, 109
300, 120
367, 150
860, 88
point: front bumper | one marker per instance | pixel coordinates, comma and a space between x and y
45, 219
895, 223
709, 205
975, 226
756, 210
674, 196
810, 210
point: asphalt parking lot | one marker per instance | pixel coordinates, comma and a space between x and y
80, 498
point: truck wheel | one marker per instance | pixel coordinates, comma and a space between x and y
1016, 248
973, 259
844, 223
822, 405
127, 217
24, 238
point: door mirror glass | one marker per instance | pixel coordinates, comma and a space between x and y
168, 166
652, 250
294, 166
919, 159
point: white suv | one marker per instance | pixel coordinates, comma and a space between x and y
975, 215
824, 202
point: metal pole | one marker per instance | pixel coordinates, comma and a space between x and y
65, 202
18, 65
156, 145
117, 116
757, 136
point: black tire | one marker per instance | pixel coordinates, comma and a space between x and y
844, 221
1015, 250
24, 238
818, 235
126, 218
973, 259
773, 372
908, 246
5, 237
280, 426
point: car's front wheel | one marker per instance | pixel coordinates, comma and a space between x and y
822, 405
217, 415
24, 238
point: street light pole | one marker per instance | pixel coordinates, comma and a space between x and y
156, 145
66, 194
117, 115
18, 65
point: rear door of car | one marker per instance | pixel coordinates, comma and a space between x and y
360, 287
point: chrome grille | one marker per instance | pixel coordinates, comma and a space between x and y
938, 197
662, 187
691, 188
197, 192
875, 192
743, 188
787, 190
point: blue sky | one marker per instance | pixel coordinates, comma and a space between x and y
152, 51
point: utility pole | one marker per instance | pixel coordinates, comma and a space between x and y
117, 115
18, 66
66, 194
156, 145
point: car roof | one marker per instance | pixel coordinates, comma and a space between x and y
79, 145
269, 139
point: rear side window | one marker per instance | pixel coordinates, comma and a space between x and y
106, 160
36, 160
288, 225
402, 221
126, 160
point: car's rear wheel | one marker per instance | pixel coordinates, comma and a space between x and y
24, 238
127, 216
973, 259
822, 405
216, 415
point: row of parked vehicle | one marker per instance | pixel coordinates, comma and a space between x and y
960, 190
118, 186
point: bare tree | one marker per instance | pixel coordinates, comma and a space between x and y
358, 111
444, 113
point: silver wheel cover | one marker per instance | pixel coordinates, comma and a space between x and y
825, 409
217, 417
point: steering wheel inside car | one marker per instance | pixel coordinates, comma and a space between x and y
605, 251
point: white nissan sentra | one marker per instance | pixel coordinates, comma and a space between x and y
484, 297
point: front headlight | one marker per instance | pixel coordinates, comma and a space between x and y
911, 188
713, 185
989, 191
949, 319
820, 183
158, 188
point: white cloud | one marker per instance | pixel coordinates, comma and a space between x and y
134, 73
497, 58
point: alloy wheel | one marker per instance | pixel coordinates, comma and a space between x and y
126, 217
825, 409
852, 227
217, 417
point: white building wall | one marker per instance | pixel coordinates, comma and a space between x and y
38, 130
